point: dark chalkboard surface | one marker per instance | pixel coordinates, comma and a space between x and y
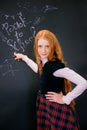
20, 20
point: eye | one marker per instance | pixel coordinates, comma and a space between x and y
39, 46
47, 46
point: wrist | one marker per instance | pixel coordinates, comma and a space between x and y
24, 57
65, 100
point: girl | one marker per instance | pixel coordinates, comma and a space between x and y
55, 98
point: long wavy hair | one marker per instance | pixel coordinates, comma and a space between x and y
55, 53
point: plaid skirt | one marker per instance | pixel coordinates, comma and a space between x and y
54, 116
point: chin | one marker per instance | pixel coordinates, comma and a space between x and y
43, 57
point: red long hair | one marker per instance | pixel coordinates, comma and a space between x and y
56, 53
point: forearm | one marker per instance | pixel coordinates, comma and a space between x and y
30, 63
77, 91
81, 83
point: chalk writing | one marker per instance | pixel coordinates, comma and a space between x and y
48, 8
7, 67
14, 28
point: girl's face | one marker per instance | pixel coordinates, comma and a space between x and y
43, 48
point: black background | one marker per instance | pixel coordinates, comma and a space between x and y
19, 22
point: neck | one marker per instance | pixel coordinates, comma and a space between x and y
44, 60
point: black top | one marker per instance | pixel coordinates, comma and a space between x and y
48, 82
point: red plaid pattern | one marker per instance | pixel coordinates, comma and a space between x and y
54, 116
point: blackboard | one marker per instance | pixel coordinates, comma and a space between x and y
20, 20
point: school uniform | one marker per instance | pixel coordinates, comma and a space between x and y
51, 115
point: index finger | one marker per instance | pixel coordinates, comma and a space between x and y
51, 92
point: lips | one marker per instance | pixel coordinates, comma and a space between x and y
43, 54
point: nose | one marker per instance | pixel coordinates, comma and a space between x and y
43, 49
